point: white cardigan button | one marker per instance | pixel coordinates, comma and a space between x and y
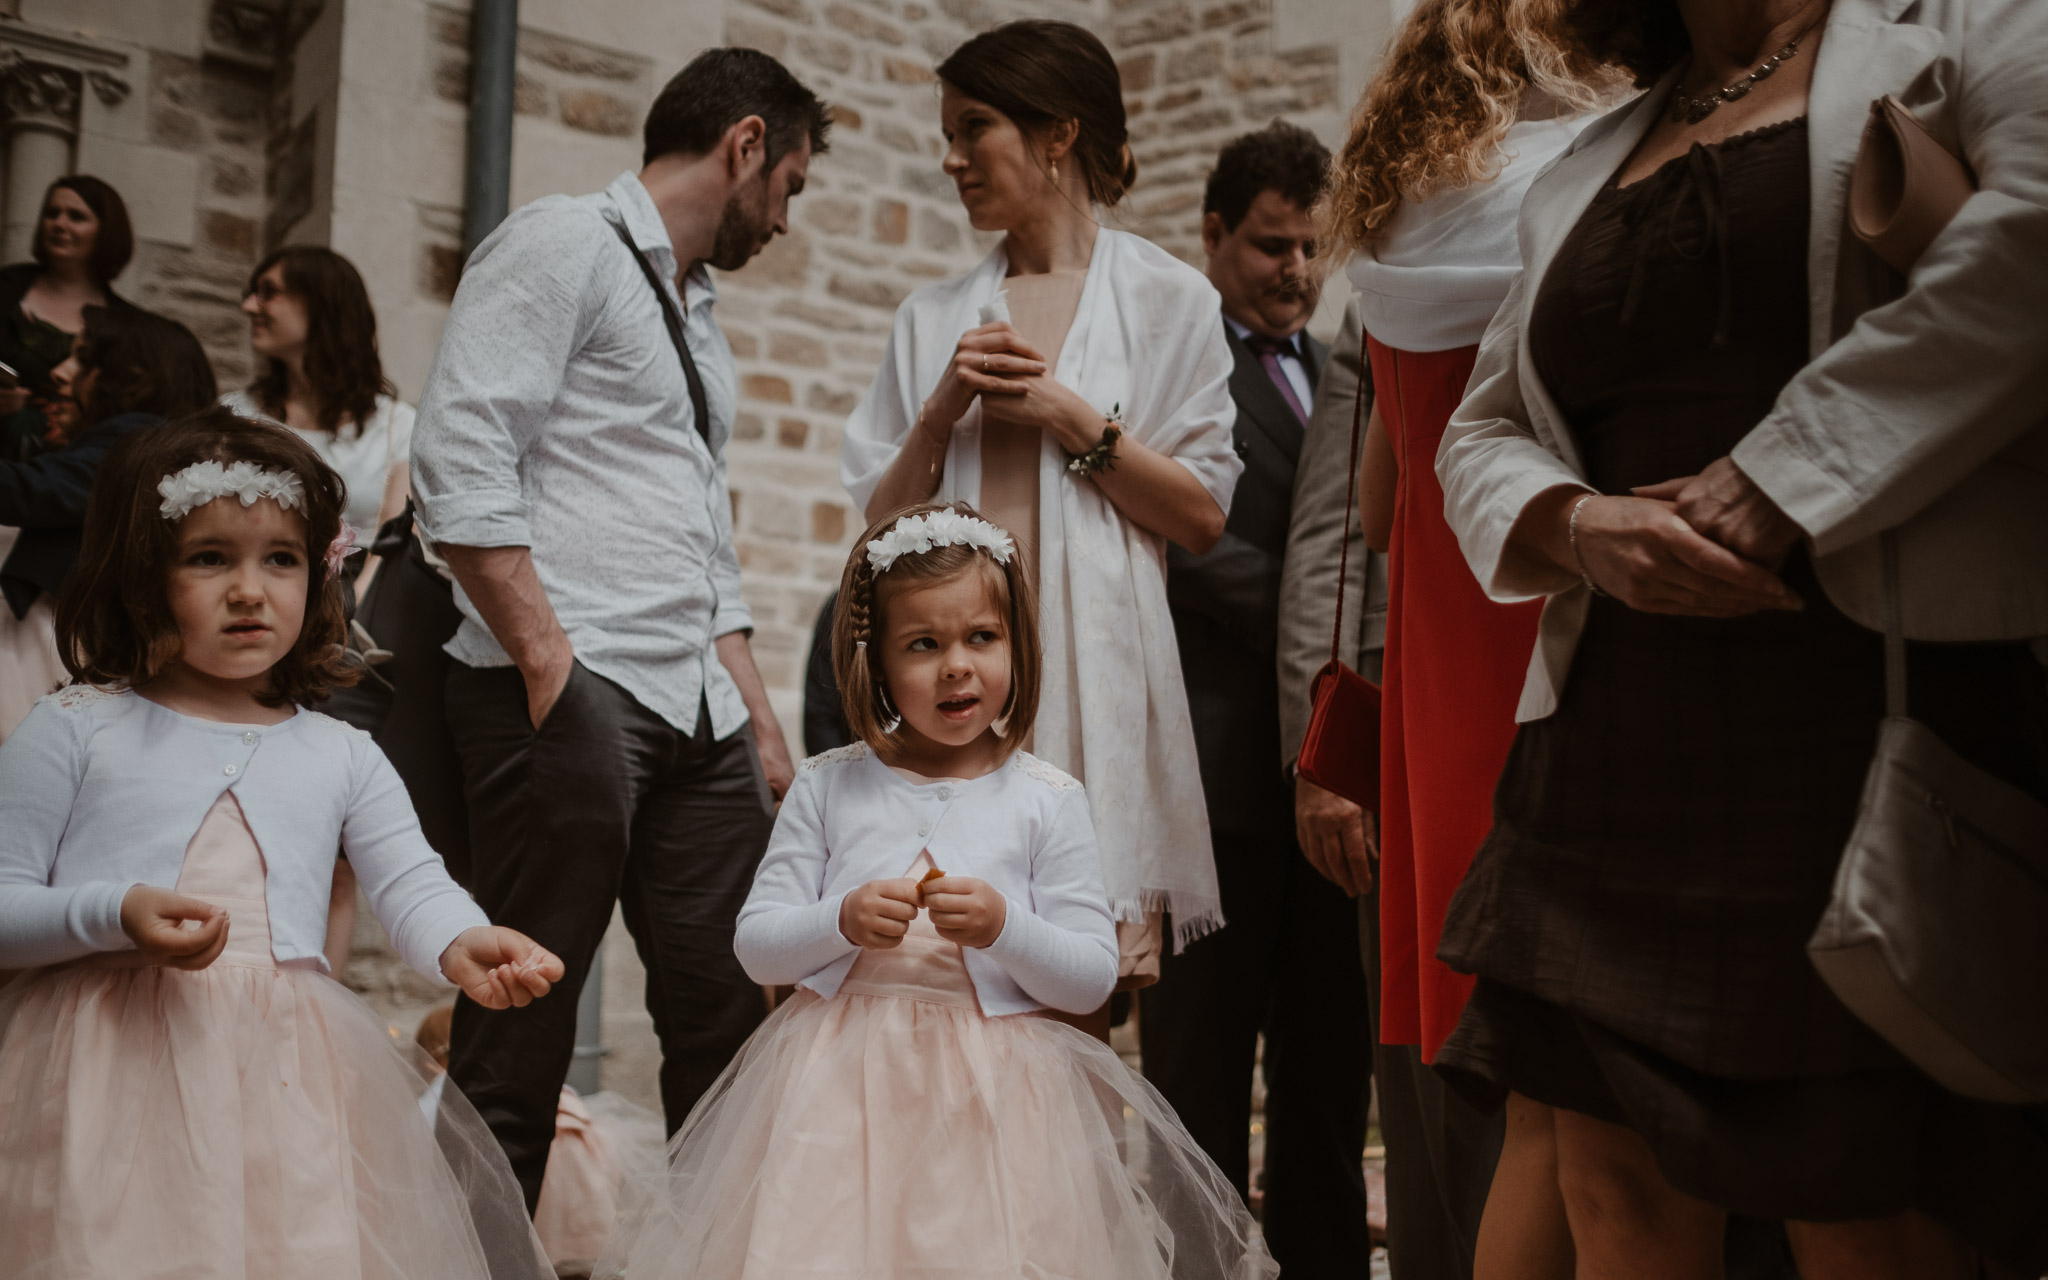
924, 828
230, 770
945, 793
249, 739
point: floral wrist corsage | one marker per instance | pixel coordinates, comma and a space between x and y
1103, 456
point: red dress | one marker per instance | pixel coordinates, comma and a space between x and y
1455, 662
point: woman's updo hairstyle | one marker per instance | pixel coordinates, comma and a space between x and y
1038, 73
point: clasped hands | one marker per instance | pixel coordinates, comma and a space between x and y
496, 967
964, 910
993, 363
1703, 546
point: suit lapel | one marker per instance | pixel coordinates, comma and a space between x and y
1260, 401
1865, 54
1317, 353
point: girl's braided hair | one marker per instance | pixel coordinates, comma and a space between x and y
858, 622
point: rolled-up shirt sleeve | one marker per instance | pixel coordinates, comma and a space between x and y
731, 614
498, 370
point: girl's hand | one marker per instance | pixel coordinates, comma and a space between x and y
500, 968
171, 930
988, 361
878, 913
966, 910
1052, 407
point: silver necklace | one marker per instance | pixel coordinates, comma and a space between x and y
1692, 110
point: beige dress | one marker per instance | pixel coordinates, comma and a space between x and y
1042, 310
244, 1120
894, 1132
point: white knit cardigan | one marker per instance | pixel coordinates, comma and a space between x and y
102, 791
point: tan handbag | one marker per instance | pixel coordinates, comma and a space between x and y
1905, 186
1937, 933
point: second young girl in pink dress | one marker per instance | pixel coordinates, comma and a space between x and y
931, 891
183, 1089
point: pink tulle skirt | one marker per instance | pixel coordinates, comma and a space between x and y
894, 1133
240, 1122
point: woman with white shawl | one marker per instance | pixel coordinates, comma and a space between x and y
1074, 386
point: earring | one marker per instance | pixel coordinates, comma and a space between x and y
1055, 173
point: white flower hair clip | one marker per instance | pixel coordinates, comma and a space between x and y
915, 535
186, 491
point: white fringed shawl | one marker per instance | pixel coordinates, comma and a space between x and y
1113, 710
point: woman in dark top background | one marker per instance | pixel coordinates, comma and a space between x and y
128, 369
1702, 711
83, 241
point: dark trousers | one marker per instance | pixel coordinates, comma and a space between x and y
605, 802
1285, 965
1440, 1149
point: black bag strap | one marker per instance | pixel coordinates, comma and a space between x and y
674, 320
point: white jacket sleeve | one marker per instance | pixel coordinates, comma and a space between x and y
1061, 946
41, 765
788, 930
408, 885
1492, 465
1924, 390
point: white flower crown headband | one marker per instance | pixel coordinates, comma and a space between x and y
915, 535
186, 491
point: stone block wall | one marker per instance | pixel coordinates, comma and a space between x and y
1196, 74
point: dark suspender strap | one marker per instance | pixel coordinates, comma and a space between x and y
674, 320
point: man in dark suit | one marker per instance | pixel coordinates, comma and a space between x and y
1286, 965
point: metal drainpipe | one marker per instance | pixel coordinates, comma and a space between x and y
486, 199
493, 68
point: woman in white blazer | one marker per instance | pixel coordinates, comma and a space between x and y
1686, 426
1075, 388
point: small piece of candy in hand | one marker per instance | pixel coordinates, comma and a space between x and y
933, 874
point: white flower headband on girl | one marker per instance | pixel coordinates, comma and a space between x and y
186, 491
915, 535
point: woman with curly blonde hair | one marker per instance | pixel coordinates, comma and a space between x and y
1473, 98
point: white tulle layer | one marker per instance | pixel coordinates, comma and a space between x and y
236, 1123
893, 1138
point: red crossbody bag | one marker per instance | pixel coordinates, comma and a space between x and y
1341, 750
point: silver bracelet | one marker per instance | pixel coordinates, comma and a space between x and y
1572, 531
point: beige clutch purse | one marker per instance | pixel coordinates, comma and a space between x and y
1905, 187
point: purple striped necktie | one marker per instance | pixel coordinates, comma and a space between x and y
1269, 351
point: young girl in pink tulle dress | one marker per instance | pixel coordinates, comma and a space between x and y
183, 1090
931, 891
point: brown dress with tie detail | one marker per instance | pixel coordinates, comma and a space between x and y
1666, 841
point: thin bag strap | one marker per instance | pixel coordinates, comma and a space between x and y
674, 321
1350, 498
1894, 629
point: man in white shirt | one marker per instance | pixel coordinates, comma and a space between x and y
1286, 965
616, 739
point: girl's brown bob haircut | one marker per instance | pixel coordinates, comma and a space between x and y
856, 660
114, 624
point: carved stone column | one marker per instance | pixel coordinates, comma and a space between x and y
40, 102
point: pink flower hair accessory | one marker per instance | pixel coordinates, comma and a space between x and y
339, 550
